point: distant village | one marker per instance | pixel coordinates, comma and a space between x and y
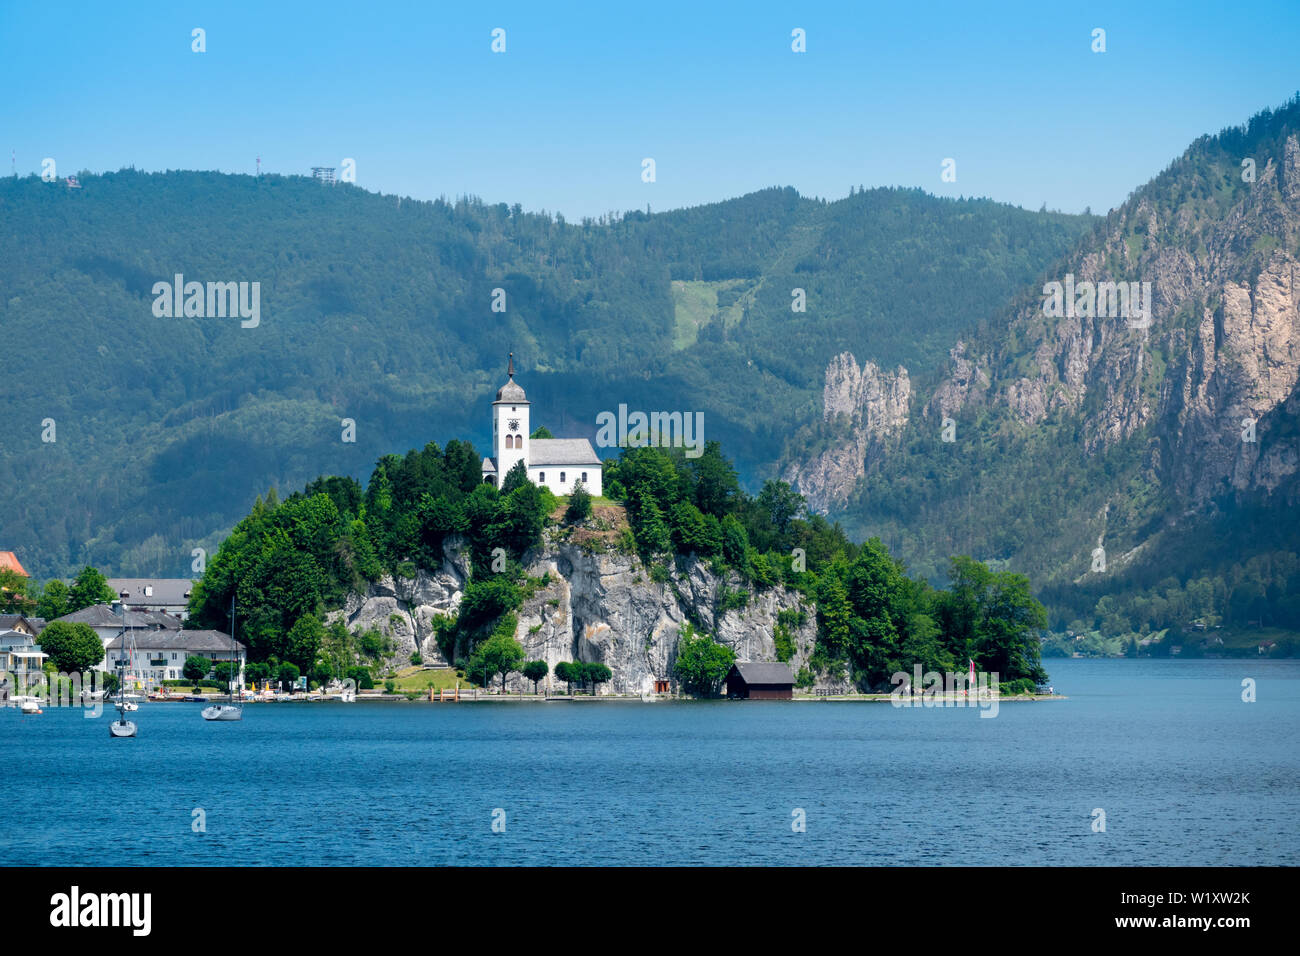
146, 618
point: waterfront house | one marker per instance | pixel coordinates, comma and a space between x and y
160, 654
751, 680
22, 657
109, 621
169, 595
31, 626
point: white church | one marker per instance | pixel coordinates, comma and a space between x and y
554, 463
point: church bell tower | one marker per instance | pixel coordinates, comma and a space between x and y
510, 427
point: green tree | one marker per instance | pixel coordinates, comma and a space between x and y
649, 526
90, 587
735, 542
73, 648
287, 674
564, 671
693, 532
716, 487
597, 673
781, 504
14, 596
516, 477
541, 431
834, 617
226, 672
579, 505
535, 671
499, 654
486, 599
702, 664
994, 618
53, 601
257, 672
304, 641
196, 668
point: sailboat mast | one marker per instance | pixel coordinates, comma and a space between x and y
234, 658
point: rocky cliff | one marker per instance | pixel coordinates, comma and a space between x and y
1138, 394
1219, 350
599, 604
863, 411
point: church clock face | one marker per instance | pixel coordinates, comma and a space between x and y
514, 424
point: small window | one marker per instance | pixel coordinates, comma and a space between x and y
561, 477
541, 476
584, 477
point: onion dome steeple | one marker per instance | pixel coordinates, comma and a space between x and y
510, 392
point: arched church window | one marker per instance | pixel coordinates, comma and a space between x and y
561, 477
541, 476
584, 477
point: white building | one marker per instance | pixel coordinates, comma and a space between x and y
161, 654
171, 595
110, 621
554, 463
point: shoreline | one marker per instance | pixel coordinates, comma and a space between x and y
917, 701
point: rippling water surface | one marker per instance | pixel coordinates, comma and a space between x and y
1185, 771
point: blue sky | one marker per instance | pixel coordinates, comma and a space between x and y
562, 120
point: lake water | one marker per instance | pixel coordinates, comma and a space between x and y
1185, 771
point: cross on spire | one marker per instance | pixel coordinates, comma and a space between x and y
510, 372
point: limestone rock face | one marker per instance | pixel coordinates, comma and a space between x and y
599, 604
965, 380
864, 410
403, 610
1242, 365
1221, 349
602, 605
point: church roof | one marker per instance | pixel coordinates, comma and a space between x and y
510, 393
561, 451
489, 466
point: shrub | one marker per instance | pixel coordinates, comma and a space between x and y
361, 677
579, 505
729, 600
784, 643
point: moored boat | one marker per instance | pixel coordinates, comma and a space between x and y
230, 710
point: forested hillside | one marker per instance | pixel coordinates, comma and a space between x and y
378, 310
1146, 475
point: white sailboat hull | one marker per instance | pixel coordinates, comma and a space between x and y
223, 712
122, 728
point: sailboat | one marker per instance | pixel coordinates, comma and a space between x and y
122, 727
229, 710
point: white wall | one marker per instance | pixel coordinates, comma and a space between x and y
572, 474
502, 415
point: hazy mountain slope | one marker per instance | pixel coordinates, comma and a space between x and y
379, 311
1081, 432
